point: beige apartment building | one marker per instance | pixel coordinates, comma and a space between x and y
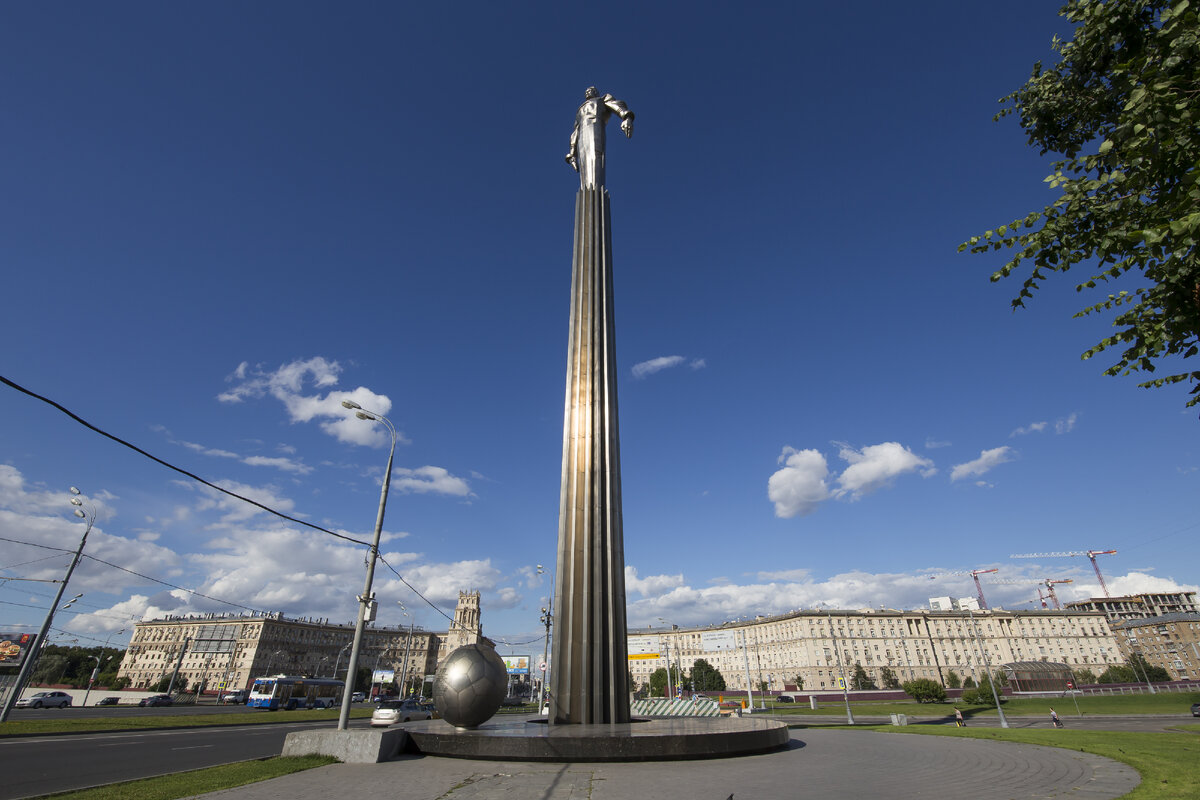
817, 647
226, 652
1139, 606
1170, 641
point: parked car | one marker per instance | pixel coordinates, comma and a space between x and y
108, 701
1196, 709
358, 697
390, 712
46, 700
238, 696
157, 700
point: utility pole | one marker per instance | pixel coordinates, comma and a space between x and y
39, 642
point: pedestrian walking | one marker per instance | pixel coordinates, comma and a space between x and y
958, 718
1054, 718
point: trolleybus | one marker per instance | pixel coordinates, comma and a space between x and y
295, 691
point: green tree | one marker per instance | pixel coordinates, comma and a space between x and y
861, 679
953, 681
888, 678
798, 682
707, 678
1084, 676
969, 683
1145, 670
1120, 109
982, 695
924, 690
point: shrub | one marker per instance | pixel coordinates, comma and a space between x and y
924, 690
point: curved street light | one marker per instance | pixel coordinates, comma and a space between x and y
85, 510
366, 600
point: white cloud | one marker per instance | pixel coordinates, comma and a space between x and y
986, 461
1066, 424
287, 384
698, 363
644, 368
1035, 427
685, 605
798, 488
429, 479
651, 584
934, 444
285, 464
802, 484
876, 466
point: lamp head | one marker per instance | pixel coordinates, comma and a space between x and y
350, 404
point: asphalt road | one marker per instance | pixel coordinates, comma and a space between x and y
44, 764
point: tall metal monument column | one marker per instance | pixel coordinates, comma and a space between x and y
589, 682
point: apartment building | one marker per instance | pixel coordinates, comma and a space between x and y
818, 647
1139, 606
1170, 641
229, 651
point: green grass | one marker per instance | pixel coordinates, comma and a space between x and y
187, 784
1095, 705
1169, 763
37, 727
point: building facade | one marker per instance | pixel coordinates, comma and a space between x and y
815, 649
1170, 641
1139, 606
226, 652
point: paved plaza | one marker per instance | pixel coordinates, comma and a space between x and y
817, 764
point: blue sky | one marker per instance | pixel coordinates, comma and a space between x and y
219, 220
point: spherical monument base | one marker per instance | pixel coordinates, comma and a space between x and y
470, 686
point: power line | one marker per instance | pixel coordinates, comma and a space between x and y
211, 485
173, 586
171, 466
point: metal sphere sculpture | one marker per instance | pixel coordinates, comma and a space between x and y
470, 685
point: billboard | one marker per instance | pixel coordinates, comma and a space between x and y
383, 676
711, 641
14, 647
516, 665
642, 648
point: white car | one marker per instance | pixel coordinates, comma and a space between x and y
389, 712
46, 700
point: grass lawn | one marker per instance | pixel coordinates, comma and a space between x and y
66, 724
1169, 763
210, 779
1096, 705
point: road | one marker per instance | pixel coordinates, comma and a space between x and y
44, 764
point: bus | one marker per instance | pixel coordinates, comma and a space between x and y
295, 691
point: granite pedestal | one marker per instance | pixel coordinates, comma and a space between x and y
650, 740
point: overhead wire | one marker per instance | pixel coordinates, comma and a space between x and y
211, 485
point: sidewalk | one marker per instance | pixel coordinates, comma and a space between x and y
818, 763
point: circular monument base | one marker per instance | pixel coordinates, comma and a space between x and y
669, 739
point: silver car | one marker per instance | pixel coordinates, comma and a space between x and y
46, 700
389, 712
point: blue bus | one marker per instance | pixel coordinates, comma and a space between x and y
295, 691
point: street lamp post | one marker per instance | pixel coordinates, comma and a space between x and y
546, 619
96, 671
338, 664
407, 647
987, 663
366, 602
271, 660
23, 675
841, 669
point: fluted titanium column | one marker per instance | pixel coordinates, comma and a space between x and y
589, 680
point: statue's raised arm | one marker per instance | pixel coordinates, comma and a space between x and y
586, 154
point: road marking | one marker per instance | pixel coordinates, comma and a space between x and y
193, 747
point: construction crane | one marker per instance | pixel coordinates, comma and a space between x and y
975, 573
1047, 582
1089, 553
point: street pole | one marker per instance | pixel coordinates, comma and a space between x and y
178, 664
987, 663
404, 669
746, 657
841, 669
546, 618
366, 601
27, 666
